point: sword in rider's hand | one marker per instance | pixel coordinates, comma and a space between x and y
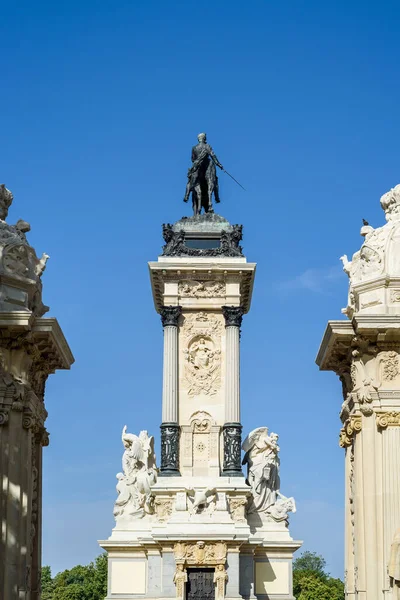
232, 177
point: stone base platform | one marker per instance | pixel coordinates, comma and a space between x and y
255, 555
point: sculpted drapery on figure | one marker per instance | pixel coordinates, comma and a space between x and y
202, 177
138, 476
261, 457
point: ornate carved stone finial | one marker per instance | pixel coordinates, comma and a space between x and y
6, 199
170, 315
233, 315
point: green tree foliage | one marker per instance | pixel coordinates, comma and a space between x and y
78, 583
312, 582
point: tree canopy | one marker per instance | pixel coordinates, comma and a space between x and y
79, 583
312, 582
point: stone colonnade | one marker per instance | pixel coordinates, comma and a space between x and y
232, 428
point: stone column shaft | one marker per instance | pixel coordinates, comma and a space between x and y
169, 427
170, 375
232, 428
232, 375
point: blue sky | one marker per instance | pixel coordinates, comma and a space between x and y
100, 105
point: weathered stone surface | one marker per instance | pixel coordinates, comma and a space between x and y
203, 509
31, 348
365, 354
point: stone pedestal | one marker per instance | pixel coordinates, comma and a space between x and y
365, 354
31, 348
199, 516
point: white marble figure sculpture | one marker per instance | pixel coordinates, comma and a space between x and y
220, 579
282, 507
261, 457
180, 578
139, 474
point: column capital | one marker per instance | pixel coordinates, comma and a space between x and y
170, 315
233, 315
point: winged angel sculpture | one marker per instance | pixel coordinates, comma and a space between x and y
139, 475
262, 460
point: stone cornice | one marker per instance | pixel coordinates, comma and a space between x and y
222, 270
337, 332
48, 330
372, 325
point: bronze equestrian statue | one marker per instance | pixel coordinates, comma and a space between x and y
202, 177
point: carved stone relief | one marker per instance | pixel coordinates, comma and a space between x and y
200, 553
390, 365
15, 260
163, 508
201, 323
200, 444
201, 334
237, 508
201, 289
202, 366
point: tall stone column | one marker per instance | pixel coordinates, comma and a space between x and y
232, 427
169, 427
31, 348
365, 353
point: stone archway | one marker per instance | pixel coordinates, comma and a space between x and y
200, 556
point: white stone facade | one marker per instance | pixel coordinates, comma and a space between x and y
365, 353
200, 508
